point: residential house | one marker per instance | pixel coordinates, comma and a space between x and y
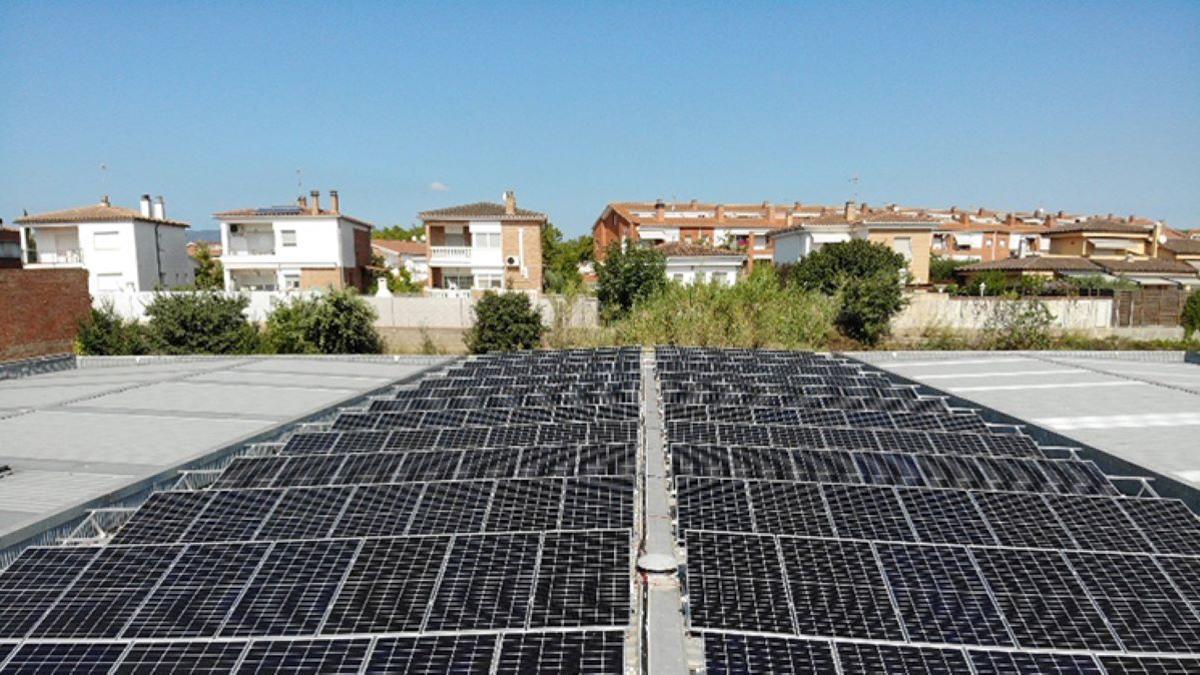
121, 249
10, 249
985, 236
408, 255
909, 234
1105, 237
484, 246
295, 247
1144, 272
696, 263
742, 226
1181, 250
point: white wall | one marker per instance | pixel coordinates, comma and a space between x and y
700, 270
790, 247
940, 310
129, 255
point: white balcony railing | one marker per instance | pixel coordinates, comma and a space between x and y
62, 256
450, 292
449, 253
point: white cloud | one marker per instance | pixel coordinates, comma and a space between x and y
437, 186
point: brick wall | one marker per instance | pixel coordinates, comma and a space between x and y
40, 311
1149, 306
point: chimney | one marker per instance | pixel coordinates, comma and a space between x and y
1131, 217
1011, 219
1039, 213
720, 213
1062, 213
104, 201
864, 209
510, 203
314, 207
788, 219
335, 204
145, 206
954, 210
159, 209
660, 210
302, 201
770, 211
796, 206
1110, 216
692, 204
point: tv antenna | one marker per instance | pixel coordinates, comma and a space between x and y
854, 184
300, 180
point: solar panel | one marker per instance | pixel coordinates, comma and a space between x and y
148, 658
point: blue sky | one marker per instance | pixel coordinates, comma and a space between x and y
1092, 107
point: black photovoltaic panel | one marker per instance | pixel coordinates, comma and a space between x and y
65, 657
467, 654
583, 580
837, 589
585, 653
451, 507
1150, 665
390, 586
335, 657
1023, 520
789, 508
149, 658
251, 472
164, 518
232, 515
735, 582
867, 512
713, 504
871, 659
487, 583
945, 517
1168, 523
733, 654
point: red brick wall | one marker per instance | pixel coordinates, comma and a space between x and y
40, 311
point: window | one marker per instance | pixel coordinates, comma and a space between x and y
717, 277
903, 246
287, 237
106, 241
291, 282
489, 281
486, 239
679, 276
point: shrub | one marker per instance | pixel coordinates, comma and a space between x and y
1191, 315
991, 282
868, 305
337, 322
827, 269
628, 274
941, 270
210, 276
756, 312
200, 323
105, 333
504, 322
1018, 324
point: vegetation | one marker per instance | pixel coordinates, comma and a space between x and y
1018, 324
757, 312
204, 322
629, 273
105, 333
504, 322
864, 276
941, 270
995, 283
1191, 315
399, 282
337, 322
400, 233
210, 276
561, 259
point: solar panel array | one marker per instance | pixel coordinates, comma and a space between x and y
479, 521
834, 522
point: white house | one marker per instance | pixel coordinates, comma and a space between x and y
409, 255
694, 263
121, 249
294, 247
793, 243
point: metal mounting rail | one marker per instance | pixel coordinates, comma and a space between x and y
664, 637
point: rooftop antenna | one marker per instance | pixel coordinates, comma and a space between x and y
104, 178
854, 182
300, 180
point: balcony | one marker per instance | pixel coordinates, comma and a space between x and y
450, 255
256, 244
62, 256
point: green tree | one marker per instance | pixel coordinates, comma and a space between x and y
401, 233
105, 333
628, 274
827, 269
504, 322
209, 274
561, 259
337, 322
1191, 315
941, 270
868, 305
202, 322
400, 282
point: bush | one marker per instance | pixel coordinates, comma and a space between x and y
827, 269
628, 274
868, 305
105, 333
1191, 315
1018, 324
756, 312
504, 322
210, 276
200, 323
337, 322
941, 270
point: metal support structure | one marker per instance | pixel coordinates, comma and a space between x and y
663, 631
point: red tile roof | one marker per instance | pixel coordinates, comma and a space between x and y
1036, 264
94, 213
399, 246
480, 210
677, 249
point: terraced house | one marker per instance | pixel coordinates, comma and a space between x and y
484, 246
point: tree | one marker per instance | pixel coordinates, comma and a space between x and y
561, 259
1191, 315
941, 270
865, 275
827, 269
400, 233
628, 274
337, 322
504, 322
106, 333
202, 322
210, 276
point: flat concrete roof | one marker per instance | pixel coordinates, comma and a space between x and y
1142, 407
76, 438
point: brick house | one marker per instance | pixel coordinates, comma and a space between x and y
484, 246
294, 247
